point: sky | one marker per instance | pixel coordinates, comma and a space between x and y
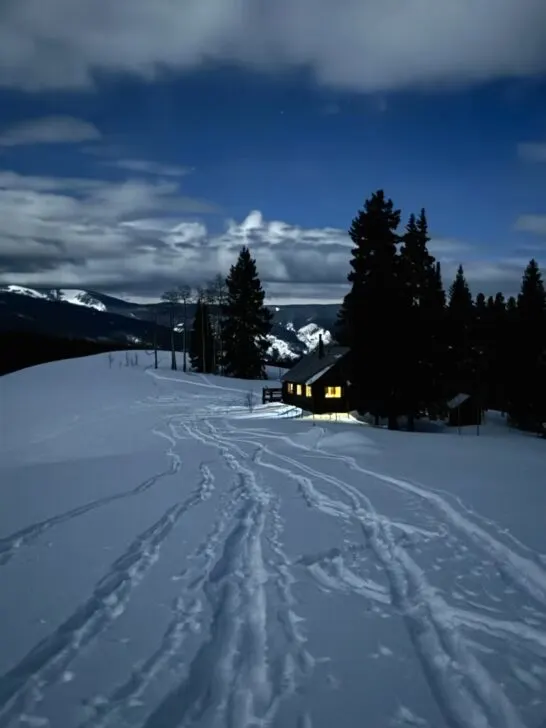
143, 143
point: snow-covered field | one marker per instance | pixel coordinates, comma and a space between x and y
170, 558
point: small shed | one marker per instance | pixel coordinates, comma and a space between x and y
319, 382
464, 410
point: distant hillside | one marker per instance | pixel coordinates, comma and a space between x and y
96, 316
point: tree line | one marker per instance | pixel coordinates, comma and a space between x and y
229, 330
413, 347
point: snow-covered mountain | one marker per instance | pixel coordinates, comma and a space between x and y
307, 338
70, 295
296, 328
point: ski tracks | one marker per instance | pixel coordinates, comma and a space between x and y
466, 693
12, 544
234, 679
22, 687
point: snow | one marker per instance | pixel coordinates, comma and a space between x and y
310, 334
23, 291
70, 295
175, 553
81, 298
284, 349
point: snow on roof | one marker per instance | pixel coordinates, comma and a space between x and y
457, 401
313, 367
319, 374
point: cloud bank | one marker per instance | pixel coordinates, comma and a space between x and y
139, 237
355, 44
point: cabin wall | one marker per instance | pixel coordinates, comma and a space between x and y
318, 402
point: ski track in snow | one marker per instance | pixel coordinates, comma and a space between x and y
465, 692
232, 680
239, 577
22, 687
525, 573
12, 544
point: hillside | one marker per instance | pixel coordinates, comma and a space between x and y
92, 315
197, 559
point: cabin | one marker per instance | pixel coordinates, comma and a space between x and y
319, 382
464, 410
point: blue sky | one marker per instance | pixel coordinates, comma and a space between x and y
129, 165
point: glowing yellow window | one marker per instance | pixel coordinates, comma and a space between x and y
333, 392
290, 388
298, 389
307, 390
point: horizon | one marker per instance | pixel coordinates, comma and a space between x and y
147, 159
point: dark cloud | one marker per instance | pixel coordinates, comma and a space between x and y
357, 44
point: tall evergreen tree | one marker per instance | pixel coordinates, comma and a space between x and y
460, 320
247, 321
370, 317
423, 312
527, 405
201, 350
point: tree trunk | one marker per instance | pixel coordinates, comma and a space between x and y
184, 364
173, 352
411, 422
203, 342
155, 343
392, 422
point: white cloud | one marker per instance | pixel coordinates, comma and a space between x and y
49, 130
138, 238
152, 168
532, 224
358, 44
532, 151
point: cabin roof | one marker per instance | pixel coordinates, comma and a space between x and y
312, 367
457, 401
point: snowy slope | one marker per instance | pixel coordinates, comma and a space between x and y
81, 298
70, 295
23, 291
174, 554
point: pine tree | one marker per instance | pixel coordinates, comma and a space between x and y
247, 321
460, 321
423, 312
201, 352
527, 406
370, 317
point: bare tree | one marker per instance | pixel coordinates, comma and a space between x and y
185, 295
218, 292
171, 300
203, 297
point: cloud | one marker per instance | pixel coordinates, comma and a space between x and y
355, 44
49, 130
152, 168
139, 237
535, 224
532, 151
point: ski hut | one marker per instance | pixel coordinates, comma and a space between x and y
464, 410
319, 382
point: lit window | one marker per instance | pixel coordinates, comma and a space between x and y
333, 392
298, 389
307, 390
290, 388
